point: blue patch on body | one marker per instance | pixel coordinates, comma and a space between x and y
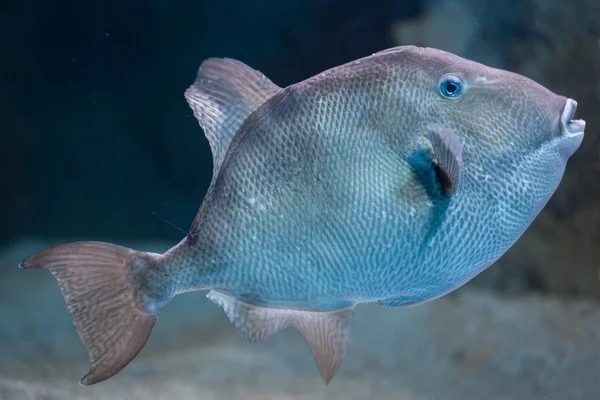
423, 169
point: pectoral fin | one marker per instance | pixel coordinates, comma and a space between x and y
326, 332
447, 151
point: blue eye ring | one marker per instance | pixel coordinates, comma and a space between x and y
451, 86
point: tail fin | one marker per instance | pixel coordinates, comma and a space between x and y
93, 277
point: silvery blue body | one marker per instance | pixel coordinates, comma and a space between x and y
393, 179
329, 200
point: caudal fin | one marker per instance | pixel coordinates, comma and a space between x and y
93, 277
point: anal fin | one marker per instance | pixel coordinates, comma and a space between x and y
326, 332
328, 335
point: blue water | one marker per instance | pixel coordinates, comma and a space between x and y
98, 143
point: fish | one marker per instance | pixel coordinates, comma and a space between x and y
392, 179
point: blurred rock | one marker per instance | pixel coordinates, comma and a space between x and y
558, 45
469, 345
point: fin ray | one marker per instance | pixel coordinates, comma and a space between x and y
448, 155
326, 332
253, 322
226, 92
101, 304
328, 335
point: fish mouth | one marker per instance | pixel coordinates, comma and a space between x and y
568, 126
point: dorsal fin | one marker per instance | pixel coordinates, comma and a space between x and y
326, 332
225, 93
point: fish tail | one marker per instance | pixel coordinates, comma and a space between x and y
97, 281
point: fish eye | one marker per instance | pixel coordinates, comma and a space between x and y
451, 86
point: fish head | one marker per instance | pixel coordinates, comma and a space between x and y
516, 134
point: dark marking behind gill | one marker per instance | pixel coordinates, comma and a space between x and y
442, 177
424, 170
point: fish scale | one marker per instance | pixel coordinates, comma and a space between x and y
392, 179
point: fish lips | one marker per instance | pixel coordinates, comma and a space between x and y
568, 132
568, 126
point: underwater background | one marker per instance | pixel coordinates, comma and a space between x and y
98, 143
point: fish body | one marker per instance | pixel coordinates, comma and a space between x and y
393, 179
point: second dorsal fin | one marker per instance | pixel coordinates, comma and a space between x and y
224, 94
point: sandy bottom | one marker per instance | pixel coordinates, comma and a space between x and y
469, 345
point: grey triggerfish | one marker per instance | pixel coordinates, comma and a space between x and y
392, 179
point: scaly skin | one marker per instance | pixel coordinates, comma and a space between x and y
329, 193
327, 198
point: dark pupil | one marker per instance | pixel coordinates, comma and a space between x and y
451, 87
